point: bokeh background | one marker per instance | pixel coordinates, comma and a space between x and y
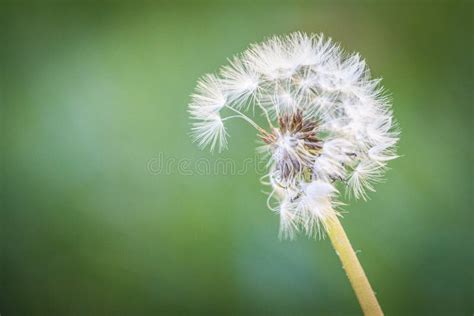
92, 92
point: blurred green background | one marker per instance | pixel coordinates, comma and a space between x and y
92, 92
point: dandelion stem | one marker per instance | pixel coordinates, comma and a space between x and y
354, 271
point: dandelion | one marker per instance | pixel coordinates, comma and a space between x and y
329, 128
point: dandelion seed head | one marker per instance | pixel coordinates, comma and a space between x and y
329, 122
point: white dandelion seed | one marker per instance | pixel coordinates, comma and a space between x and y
329, 122
315, 206
210, 132
240, 83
